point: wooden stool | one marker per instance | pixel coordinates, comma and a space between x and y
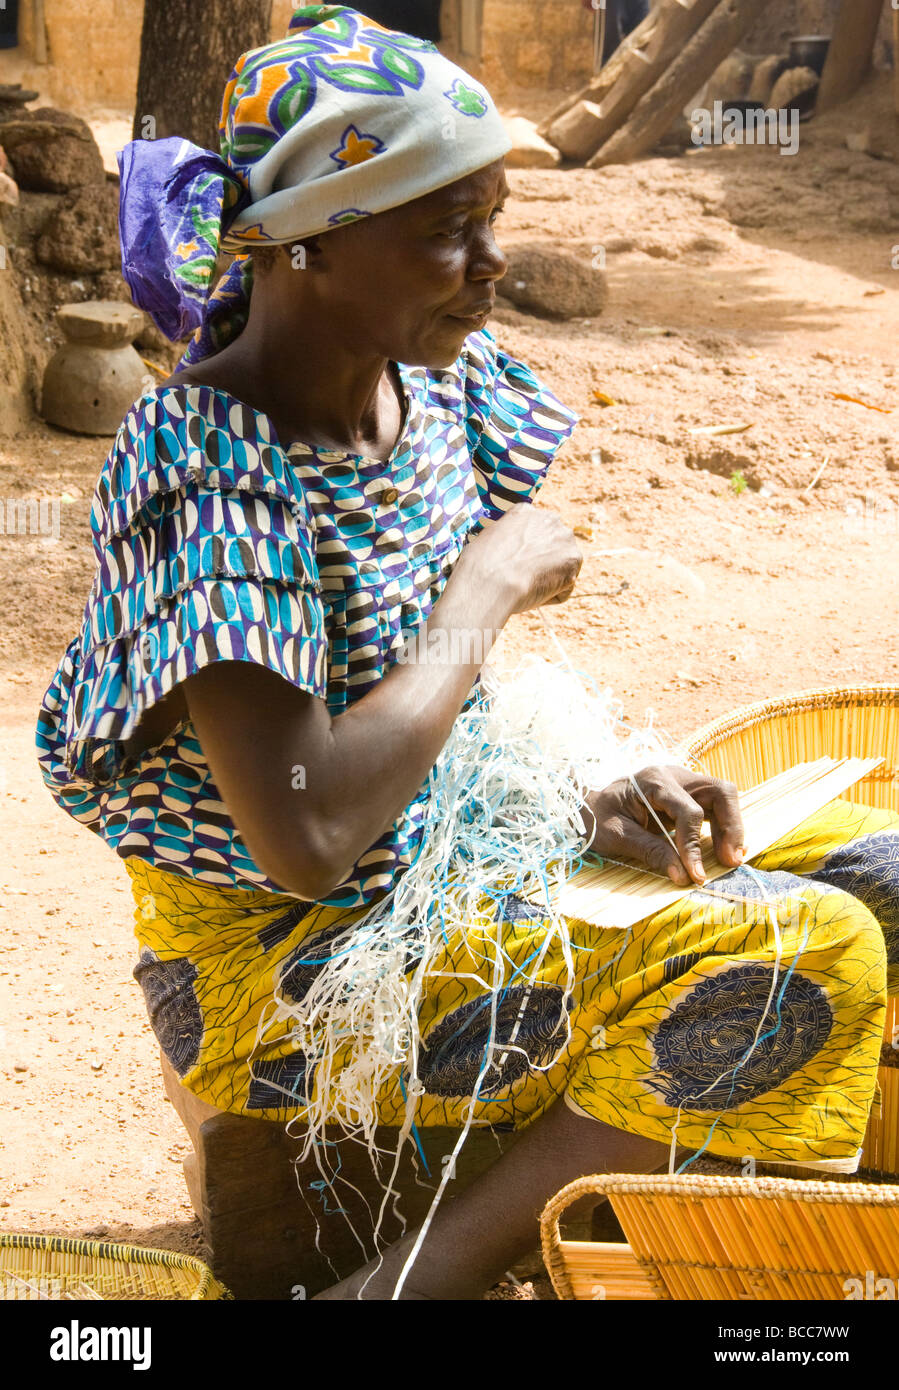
261, 1216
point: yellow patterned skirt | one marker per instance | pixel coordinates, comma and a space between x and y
658, 1025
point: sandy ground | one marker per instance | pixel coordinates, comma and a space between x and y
744, 288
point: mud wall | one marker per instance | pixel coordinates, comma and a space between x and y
536, 43
93, 50
93, 47
785, 18
92, 53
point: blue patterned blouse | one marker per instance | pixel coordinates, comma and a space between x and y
214, 543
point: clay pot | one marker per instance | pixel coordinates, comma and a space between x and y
810, 51
96, 375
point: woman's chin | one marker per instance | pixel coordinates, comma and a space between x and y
444, 349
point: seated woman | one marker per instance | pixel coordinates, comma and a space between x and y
343, 456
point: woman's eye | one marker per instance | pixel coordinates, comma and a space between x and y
459, 229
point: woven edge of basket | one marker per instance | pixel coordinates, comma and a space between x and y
123, 1254
770, 1188
710, 735
668, 1185
550, 1236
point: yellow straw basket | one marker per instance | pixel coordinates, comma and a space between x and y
704, 1238
38, 1267
759, 741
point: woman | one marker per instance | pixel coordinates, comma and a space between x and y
343, 458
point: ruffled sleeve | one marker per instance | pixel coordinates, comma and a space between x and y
515, 425
204, 553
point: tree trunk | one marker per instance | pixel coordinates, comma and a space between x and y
851, 47
188, 49
896, 60
659, 108
575, 129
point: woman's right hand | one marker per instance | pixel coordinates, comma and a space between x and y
531, 551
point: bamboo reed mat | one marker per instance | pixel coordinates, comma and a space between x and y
759, 740
608, 896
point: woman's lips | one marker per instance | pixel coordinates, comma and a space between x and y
476, 320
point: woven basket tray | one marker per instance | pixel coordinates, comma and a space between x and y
705, 1238
35, 1267
759, 741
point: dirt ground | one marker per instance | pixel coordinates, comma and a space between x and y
745, 289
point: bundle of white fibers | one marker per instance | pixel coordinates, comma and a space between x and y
503, 816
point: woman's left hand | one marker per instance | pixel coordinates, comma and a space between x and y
624, 827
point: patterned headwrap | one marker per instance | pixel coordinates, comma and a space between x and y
340, 120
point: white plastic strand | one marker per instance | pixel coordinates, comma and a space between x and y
504, 815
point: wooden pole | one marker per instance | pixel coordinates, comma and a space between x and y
39, 21
588, 119
655, 112
850, 52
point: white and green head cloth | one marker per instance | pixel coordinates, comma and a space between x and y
340, 120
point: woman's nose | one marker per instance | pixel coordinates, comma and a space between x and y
488, 261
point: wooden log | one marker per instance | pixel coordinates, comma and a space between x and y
578, 130
262, 1218
655, 112
851, 48
39, 22
600, 82
633, 67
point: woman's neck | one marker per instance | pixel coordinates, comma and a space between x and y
315, 389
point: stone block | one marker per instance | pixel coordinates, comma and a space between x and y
82, 236
52, 151
553, 284
529, 149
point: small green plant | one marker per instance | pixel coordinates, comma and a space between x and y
738, 483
